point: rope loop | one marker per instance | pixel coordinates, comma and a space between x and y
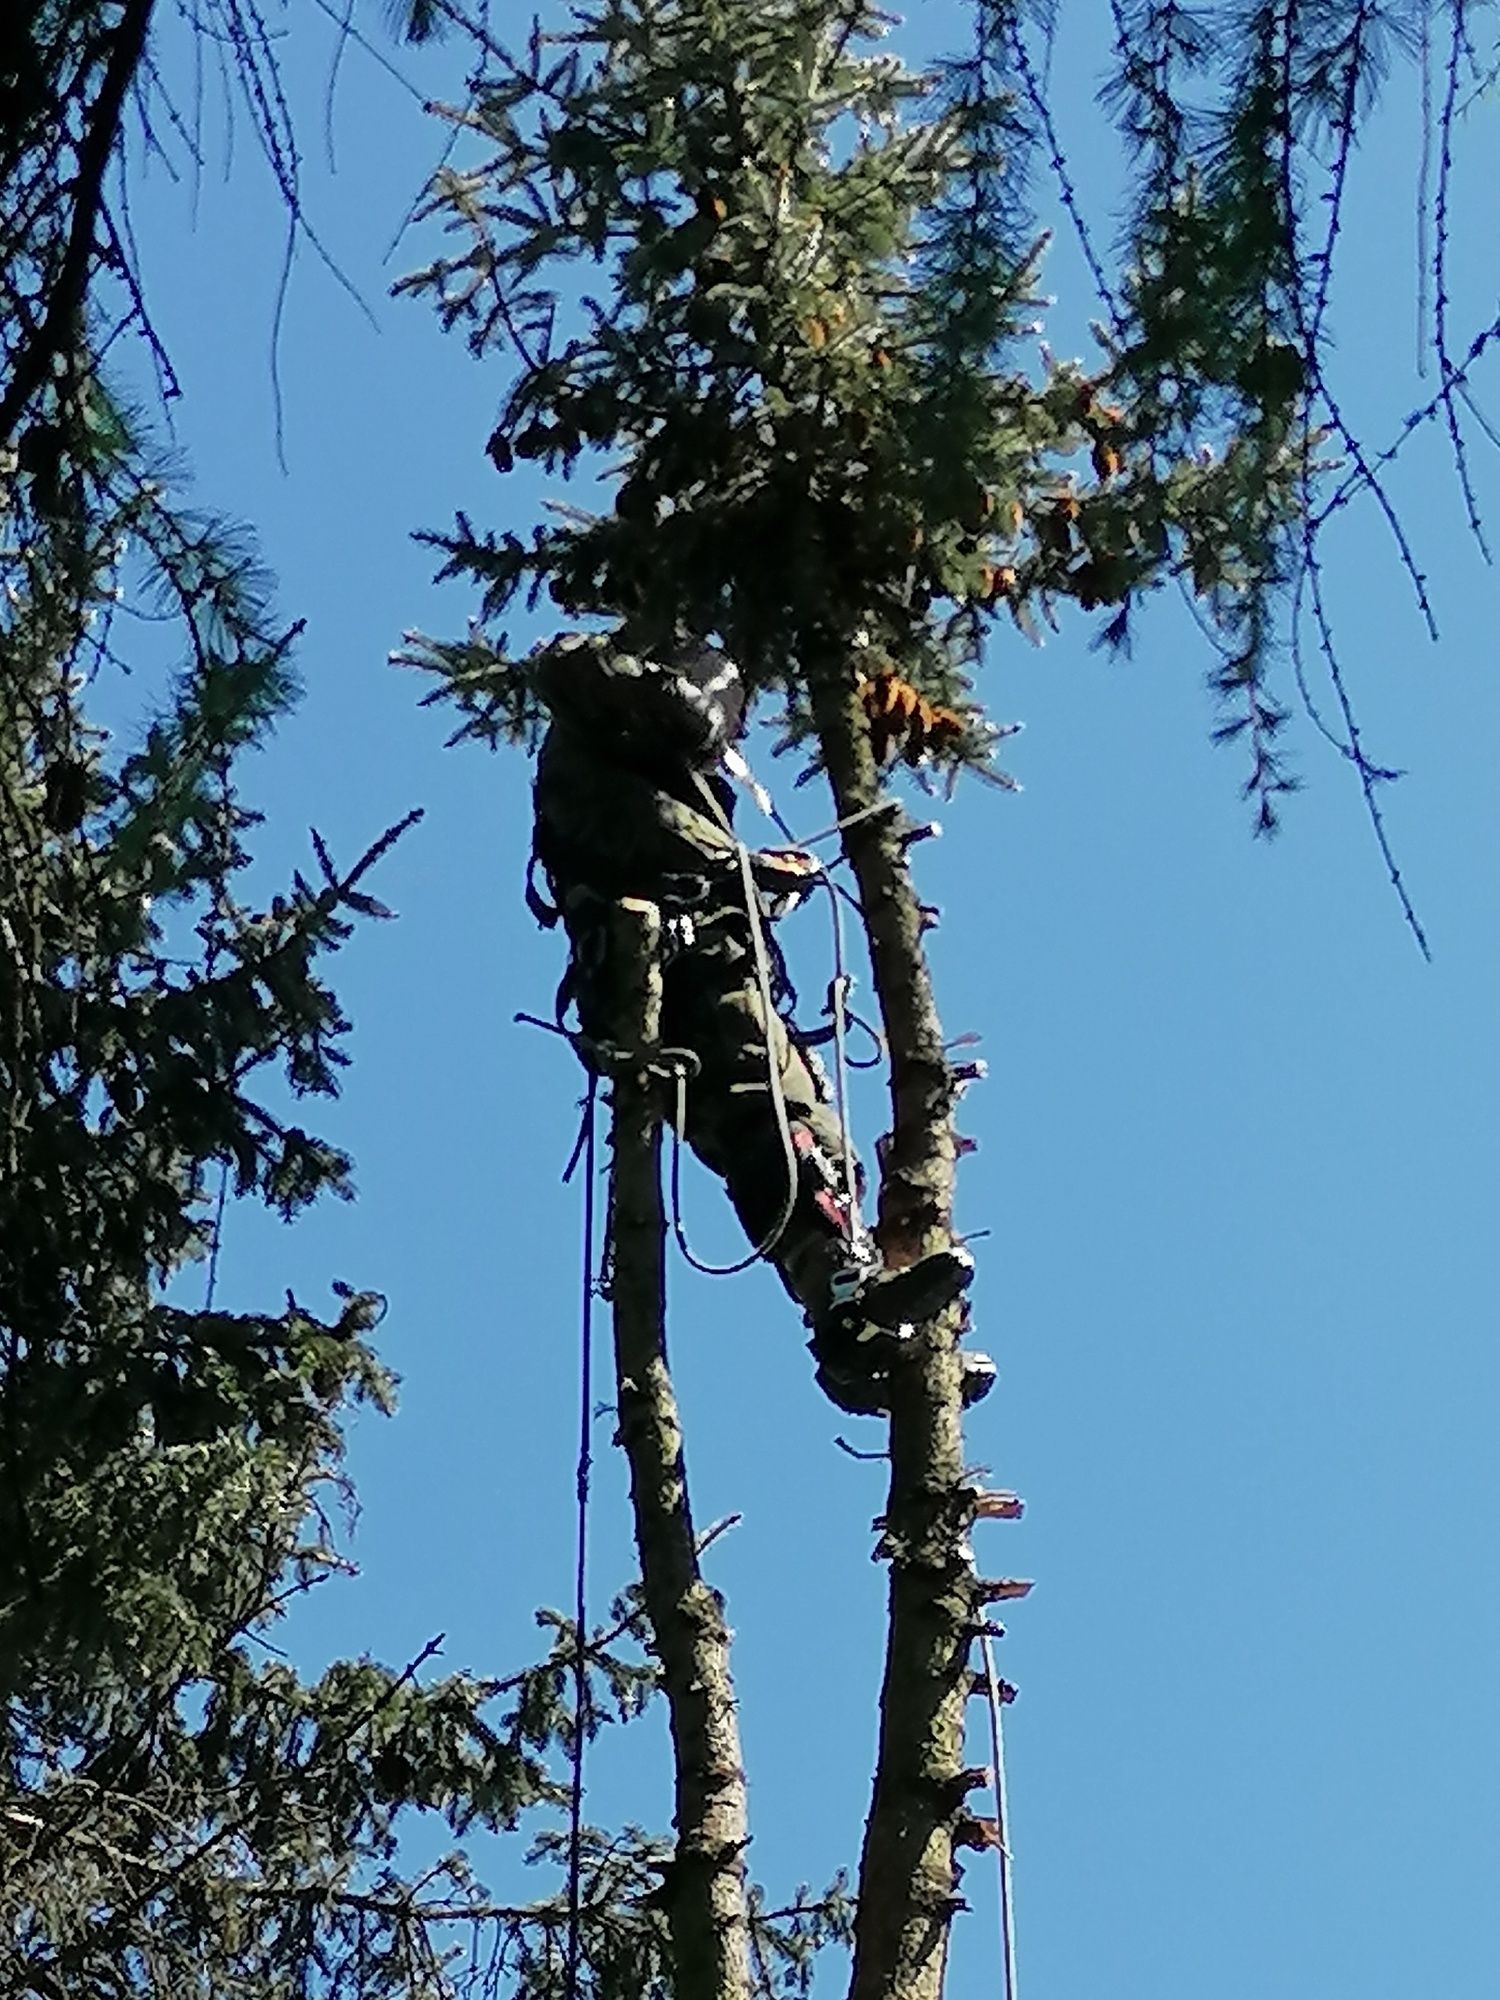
676, 1065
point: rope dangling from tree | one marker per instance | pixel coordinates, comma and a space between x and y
838, 1008
580, 1574
996, 1702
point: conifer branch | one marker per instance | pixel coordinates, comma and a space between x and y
66, 294
704, 1890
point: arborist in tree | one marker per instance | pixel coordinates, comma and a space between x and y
632, 799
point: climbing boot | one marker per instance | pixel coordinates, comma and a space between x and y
864, 1300
870, 1316
979, 1378
858, 1393
864, 1392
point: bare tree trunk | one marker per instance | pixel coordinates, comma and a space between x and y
704, 1894
907, 1878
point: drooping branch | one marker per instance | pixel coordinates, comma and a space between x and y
907, 1878
704, 1893
34, 363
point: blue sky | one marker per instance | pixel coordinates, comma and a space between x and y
1237, 1158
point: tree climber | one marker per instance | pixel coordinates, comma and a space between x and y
632, 800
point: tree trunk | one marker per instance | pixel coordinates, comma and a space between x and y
704, 1894
907, 1883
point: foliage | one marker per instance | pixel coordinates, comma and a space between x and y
178, 1810
800, 342
167, 1806
1244, 120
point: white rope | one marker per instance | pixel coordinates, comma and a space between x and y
838, 995
1002, 1819
838, 1008
772, 1025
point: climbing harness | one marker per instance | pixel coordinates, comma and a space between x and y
680, 1065
838, 1008
773, 1074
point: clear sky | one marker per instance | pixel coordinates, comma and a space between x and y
1237, 1158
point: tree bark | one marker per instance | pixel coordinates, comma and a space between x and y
704, 1893
907, 1882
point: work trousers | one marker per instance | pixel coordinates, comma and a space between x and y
713, 1006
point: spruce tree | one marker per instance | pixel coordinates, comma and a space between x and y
745, 267
180, 1811
805, 365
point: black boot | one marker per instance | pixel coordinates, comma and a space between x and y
864, 1300
866, 1392
979, 1378
858, 1392
872, 1313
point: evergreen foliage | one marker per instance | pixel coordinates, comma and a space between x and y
180, 1811
780, 292
1243, 120
799, 335
175, 1811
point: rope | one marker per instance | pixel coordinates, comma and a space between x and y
580, 1576
839, 990
838, 998
838, 994
1002, 1819
773, 1074
838, 826
876, 1039
778, 820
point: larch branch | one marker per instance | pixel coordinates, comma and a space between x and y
66, 299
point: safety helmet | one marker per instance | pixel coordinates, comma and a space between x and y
685, 711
